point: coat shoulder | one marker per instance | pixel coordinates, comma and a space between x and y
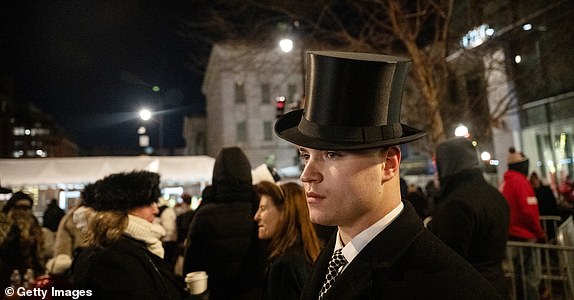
432, 269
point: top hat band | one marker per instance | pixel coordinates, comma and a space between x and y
350, 134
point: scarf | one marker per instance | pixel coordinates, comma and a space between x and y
146, 232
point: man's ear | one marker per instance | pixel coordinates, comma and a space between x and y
392, 162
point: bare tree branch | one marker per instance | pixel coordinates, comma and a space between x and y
420, 29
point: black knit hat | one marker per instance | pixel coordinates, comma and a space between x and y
517, 161
124, 191
353, 103
15, 198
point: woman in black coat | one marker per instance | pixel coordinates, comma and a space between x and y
124, 254
283, 220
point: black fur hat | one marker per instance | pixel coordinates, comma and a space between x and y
124, 191
89, 194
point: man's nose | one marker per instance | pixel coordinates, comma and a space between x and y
310, 172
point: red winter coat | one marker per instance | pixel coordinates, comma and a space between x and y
524, 216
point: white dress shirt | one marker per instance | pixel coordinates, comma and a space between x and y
354, 247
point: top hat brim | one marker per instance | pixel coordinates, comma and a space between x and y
287, 128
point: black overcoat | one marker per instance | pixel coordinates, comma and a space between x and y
404, 261
473, 219
286, 275
125, 270
223, 242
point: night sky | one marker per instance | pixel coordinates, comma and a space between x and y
91, 65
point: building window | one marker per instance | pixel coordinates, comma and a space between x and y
40, 131
241, 131
474, 88
562, 110
19, 131
291, 92
265, 93
267, 131
239, 92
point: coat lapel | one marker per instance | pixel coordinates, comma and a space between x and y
315, 280
378, 256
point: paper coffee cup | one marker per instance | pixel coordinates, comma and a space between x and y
196, 282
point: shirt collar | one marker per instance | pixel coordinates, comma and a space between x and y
352, 249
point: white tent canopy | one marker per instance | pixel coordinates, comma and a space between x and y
81, 170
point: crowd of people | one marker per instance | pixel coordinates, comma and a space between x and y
551, 201
254, 241
351, 228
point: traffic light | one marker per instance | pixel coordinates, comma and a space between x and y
280, 107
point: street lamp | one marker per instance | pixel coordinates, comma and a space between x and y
143, 137
134, 79
485, 156
286, 45
461, 131
145, 114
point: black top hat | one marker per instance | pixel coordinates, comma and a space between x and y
353, 103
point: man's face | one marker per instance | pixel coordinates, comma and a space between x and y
343, 187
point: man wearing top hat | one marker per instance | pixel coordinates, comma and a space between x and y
348, 135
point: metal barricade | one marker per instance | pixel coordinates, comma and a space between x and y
550, 225
542, 271
565, 237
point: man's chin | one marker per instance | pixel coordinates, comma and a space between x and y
318, 218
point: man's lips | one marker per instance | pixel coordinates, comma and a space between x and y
312, 196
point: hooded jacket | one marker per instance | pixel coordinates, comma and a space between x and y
222, 238
472, 217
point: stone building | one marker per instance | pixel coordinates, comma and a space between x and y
245, 88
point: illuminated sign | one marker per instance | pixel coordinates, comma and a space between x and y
476, 36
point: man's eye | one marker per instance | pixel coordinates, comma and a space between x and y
304, 156
331, 154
